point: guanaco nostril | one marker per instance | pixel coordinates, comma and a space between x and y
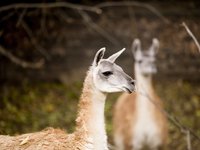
132, 82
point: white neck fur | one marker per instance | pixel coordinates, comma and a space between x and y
91, 114
96, 125
145, 89
144, 83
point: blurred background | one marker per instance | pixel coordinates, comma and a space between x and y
47, 46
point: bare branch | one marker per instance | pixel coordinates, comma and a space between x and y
192, 35
97, 28
111, 147
34, 41
50, 5
64, 16
8, 16
20, 62
130, 3
43, 21
21, 17
188, 140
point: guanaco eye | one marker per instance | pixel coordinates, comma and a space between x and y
139, 61
107, 73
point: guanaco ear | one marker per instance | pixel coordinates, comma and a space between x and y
154, 47
136, 46
113, 57
99, 55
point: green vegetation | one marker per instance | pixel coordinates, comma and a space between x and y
182, 101
33, 107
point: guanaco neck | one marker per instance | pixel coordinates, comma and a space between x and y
144, 83
90, 120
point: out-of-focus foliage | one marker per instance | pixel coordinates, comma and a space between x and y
182, 101
33, 107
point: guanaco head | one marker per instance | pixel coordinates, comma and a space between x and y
109, 77
145, 60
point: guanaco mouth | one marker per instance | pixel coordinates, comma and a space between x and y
128, 90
